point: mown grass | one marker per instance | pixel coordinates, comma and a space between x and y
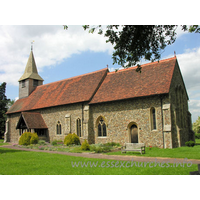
197, 141
1, 142
17, 162
181, 152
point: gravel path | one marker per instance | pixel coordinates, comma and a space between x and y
112, 157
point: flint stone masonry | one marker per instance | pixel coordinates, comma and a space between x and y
67, 115
119, 115
181, 126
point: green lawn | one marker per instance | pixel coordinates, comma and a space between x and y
181, 152
16, 162
1, 142
197, 141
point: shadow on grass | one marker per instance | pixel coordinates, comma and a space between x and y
4, 150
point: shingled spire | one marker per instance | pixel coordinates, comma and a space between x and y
31, 69
30, 79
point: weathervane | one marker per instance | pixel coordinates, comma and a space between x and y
32, 45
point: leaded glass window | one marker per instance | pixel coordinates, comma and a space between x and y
59, 132
102, 128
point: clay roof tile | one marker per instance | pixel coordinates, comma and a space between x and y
154, 79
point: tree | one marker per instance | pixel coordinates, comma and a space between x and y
135, 42
3, 108
196, 126
10, 103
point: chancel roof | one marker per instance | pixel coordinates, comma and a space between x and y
155, 78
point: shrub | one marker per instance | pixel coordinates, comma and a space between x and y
54, 143
85, 146
42, 142
92, 147
59, 142
190, 143
106, 149
28, 138
25, 139
99, 148
72, 139
111, 144
34, 138
197, 135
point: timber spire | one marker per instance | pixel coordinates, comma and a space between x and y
30, 79
31, 69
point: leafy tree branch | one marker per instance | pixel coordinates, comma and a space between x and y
134, 42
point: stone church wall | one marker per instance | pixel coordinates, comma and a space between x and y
173, 121
13, 133
120, 114
179, 110
66, 115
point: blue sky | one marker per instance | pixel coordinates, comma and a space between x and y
60, 54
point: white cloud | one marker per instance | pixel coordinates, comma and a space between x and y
189, 63
194, 108
52, 45
180, 32
16, 98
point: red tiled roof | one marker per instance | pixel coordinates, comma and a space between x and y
68, 91
32, 120
154, 79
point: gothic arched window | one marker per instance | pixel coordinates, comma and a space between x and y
59, 132
78, 127
102, 130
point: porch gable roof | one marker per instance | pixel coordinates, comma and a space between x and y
32, 120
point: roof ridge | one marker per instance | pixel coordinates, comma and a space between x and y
73, 77
143, 65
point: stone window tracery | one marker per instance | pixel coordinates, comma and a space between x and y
102, 130
59, 132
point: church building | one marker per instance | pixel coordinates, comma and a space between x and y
150, 107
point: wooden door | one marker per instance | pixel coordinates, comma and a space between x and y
134, 134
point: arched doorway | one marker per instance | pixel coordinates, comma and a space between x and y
134, 133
